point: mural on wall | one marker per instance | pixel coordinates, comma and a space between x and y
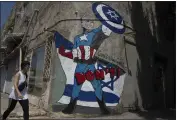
91, 81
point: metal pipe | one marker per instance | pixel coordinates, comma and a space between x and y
20, 58
65, 20
129, 71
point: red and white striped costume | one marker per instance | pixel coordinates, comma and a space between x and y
83, 53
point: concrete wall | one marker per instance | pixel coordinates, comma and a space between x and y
54, 13
71, 28
3, 77
12, 68
141, 16
150, 40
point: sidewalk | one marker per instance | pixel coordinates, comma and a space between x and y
36, 113
18, 112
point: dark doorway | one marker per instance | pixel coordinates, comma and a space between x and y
159, 82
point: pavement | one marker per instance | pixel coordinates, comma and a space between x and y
36, 113
18, 112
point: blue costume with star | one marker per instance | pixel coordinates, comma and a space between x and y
83, 67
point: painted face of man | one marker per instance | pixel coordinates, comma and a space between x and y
87, 24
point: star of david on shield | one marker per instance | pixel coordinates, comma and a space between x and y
109, 17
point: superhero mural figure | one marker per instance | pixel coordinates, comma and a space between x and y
84, 48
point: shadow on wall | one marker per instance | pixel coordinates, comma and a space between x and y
146, 46
144, 40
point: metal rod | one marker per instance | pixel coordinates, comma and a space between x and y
20, 58
129, 72
48, 29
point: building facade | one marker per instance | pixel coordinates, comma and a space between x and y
145, 52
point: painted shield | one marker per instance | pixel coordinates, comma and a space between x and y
109, 17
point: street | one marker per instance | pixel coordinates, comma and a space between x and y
17, 113
36, 113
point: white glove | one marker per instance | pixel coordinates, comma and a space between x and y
106, 30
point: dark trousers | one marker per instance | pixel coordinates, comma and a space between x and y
12, 104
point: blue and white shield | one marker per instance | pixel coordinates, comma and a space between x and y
109, 17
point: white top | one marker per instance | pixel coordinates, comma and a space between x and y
13, 94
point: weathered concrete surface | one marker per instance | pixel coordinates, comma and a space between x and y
36, 113
138, 87
126, 115
18, 112
156, 115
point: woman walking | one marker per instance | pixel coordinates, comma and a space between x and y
19, 92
